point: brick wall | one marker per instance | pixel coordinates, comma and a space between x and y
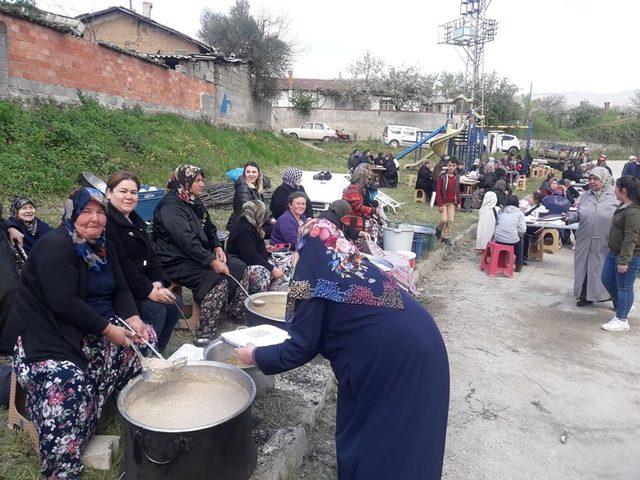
43, 62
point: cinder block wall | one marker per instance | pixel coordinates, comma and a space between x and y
364, 124
42, 62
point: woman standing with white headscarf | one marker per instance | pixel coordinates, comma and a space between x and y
595, 212
486, 220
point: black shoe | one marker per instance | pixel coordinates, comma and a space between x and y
446, 241
438, 233
583, 302
518, 268
525, 262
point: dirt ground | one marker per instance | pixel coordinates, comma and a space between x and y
538, 390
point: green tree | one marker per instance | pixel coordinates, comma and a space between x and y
584, 115
258, 39
635, 103
501, 103
302, 102
364, 80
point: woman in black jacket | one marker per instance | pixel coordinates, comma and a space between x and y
290, 184
246, 241
187, 244
147, 281
23, 219
69, 357
389, 178
249, 186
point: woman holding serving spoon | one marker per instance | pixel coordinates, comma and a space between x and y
69, 357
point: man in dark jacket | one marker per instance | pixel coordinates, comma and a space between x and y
448, 198
632, 168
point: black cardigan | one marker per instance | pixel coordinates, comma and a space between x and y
245, 243
138, 261
50, 310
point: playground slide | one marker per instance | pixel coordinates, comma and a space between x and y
434, 144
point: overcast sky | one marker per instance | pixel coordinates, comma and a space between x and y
559, 45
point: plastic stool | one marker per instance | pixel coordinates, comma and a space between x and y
550, 240
411, 180
522, 183
498, 258
420, 196
536, 249
17, 412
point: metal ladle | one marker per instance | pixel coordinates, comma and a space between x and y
258, 302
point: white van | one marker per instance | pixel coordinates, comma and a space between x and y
396, 135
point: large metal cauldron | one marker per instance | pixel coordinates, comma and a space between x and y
255, 315
221, 451
219, 351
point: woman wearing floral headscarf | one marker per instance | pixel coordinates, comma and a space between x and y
595, 212
187, 244
291, 178
23, 219
385, 351
246, 241
69, 357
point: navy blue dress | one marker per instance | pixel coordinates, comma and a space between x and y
393, 384
29, 240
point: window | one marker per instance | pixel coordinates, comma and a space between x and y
396, 131
409, 132
308, 125
319, 126
507, 138
386, 104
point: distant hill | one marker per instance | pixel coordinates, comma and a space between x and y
621, 99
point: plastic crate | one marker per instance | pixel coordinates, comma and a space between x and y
147, 202
423, 241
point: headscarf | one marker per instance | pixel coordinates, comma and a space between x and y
16, 205
604, 175
501, 173
91, 251
361, 175
340, 208
254, 212
292, 176
331, 267
182, 180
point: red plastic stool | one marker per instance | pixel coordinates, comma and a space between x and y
498, 258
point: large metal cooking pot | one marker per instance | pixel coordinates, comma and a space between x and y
224, 450
254, 315
220, 351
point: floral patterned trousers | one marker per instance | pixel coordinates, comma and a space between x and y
215, 305
65, 401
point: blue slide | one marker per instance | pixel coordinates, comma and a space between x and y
419, 143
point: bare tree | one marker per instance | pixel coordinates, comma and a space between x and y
635, 103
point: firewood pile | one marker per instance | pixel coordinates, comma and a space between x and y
220, 194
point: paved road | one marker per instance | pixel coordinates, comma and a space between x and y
527, 365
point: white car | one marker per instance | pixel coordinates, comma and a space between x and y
497, 140
396, 135
311, 131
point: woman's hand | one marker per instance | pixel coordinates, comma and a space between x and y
623, 268
15, 236
118, 335
245, 354
160, 294
364, 235
137, 324
273, 221
277, 273
220, 255
219, 267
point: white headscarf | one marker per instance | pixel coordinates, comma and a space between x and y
486, 220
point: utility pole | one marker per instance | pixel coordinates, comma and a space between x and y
470, 33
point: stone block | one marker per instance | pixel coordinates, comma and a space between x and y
100, 450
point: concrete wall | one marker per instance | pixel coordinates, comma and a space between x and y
364, 124
131, 33
232, 103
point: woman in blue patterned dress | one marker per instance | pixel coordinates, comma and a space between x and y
70, 358
385, 351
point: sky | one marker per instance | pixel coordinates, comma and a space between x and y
559, 45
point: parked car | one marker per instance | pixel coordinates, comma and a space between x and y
396, 135
498, 141
311, 131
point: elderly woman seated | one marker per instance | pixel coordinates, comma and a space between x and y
246, 242
291, 178
287, 225
70, 357
191, 254
23, 219
357, 194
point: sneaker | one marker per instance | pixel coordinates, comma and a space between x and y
583, 302
616, 325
